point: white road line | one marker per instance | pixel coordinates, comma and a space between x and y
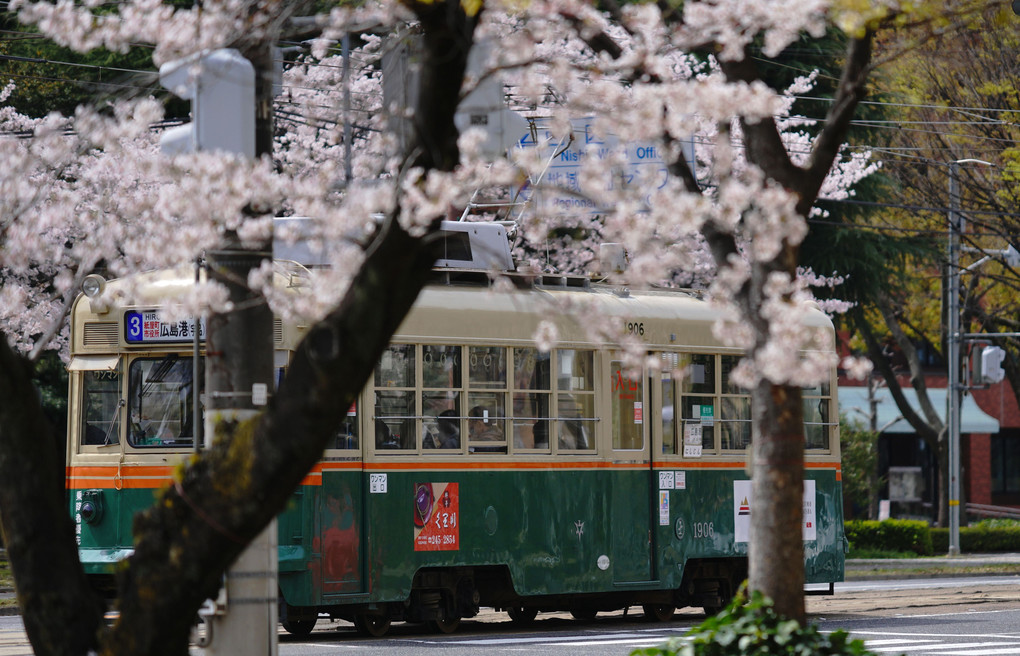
971, 645
983, 652
921, 644
590, 643
546, 639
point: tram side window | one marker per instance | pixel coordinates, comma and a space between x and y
394, 398
531, 398
628, 407
575, 400
101, 404
697, 385
817, 419
347, 434
441, 398
487, 379
160, 402
715, 412
735, 405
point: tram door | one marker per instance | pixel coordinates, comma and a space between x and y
631, 487
340, 516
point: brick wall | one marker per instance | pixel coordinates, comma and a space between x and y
977, 463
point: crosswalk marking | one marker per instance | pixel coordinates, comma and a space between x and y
939, 647
912, 644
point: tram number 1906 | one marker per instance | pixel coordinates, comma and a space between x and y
703, 530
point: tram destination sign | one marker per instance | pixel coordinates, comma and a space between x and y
146, 327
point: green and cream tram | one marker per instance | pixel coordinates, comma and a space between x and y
475, 470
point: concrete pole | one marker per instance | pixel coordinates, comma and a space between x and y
239, 378
953, 349
955, 341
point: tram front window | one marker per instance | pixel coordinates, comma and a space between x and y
101, 415
160, 402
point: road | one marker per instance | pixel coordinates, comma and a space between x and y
936, 617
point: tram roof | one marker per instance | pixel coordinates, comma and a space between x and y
477, 313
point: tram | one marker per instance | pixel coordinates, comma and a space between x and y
475, 470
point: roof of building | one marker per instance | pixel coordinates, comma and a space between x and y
853, 402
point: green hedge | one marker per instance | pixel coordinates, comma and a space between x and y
909, 535
890, 535
979, 539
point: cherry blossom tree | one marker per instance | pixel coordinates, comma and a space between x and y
655, 74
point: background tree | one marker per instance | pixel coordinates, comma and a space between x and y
954, 96
631, 68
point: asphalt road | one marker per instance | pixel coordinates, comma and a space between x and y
972, 616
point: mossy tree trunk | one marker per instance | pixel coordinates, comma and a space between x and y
221, 501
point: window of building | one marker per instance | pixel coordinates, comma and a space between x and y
1005, 464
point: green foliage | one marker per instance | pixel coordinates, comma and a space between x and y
751, 627
998, 522
980, 538
859, 451
890, 535
6, 578
51, 381
52, 78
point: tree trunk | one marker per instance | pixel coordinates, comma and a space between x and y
776, 562
62, 615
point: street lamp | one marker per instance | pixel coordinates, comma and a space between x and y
955, 339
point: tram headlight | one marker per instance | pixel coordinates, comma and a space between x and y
93, 285
91, 509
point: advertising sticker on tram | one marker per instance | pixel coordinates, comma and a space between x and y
436, 517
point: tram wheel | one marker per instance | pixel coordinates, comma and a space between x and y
658, 612
299, 627
711, 610
372, 625
445, 625
585, 614
522, 614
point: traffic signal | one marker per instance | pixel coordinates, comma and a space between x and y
221, 87
990, 365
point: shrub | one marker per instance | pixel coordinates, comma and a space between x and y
752, 628
890, 535
980, 538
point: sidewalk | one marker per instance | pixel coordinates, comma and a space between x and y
934, 566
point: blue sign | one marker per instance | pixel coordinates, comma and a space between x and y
146, 327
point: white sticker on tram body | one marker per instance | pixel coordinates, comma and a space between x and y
665, 480
680, 480
663, 508
743, 502
377, 483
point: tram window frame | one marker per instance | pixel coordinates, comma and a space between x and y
91, 435
693, 380
183, 393
403, 385
731, 408
565, 381
818, 435
627, 400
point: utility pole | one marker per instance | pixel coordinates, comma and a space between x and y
954, 340
229, 115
